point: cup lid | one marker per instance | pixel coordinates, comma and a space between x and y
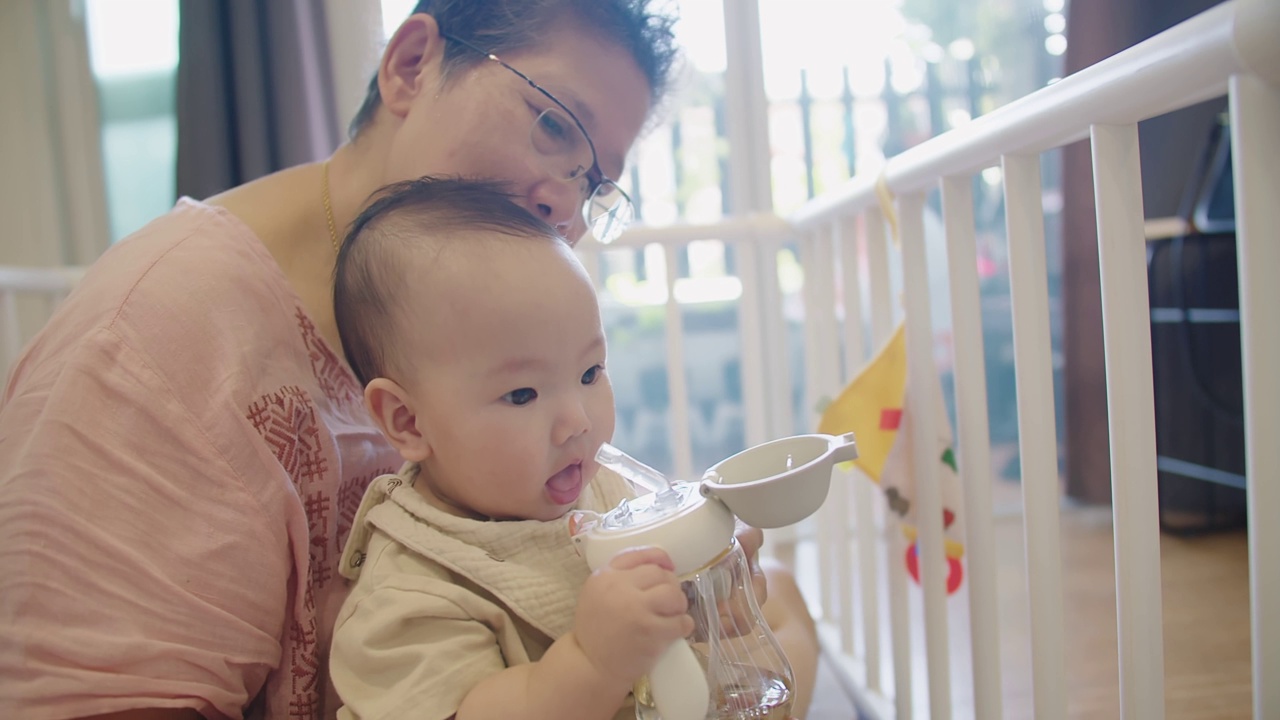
693, 529
779, 482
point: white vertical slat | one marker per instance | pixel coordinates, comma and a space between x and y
777, 381
750, 192
863, 497
746, 104
1255, 132
974, 445
1126, 327
878, 276
750, 311
826, 385
899, 622
922, 406
809, 293
827, 337
1037, 437
881, 328
868, 577
781, 413
808, 248
677, 381
12, 331
844, 237
839, 509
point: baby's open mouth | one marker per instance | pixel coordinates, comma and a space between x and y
565, 486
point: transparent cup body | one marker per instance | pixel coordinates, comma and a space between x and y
747, 672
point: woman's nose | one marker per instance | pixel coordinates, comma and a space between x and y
559, 203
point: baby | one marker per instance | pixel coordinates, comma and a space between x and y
477, 335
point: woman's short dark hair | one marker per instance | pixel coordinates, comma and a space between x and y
501, 26
415, 215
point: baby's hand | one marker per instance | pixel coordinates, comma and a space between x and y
630, 611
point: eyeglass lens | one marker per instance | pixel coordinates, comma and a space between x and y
608, 212
566, 152
560, 143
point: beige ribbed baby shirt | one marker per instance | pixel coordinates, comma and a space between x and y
441, 602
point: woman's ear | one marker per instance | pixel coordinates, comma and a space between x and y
393, 411
411, 51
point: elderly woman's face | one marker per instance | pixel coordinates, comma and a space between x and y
478, 123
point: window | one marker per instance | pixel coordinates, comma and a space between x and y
847, 85
393, 13
134, 58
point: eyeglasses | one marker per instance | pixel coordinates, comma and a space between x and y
565, 149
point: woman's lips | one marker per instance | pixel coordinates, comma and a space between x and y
565, 486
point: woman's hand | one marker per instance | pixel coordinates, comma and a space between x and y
750, 539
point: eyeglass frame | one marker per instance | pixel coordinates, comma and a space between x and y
600, 178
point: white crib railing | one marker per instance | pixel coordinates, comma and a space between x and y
1230, 49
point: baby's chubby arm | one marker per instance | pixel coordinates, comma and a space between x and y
628, 613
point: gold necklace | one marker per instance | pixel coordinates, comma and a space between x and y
328, 211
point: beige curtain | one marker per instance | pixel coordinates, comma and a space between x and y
51, 187
51, 180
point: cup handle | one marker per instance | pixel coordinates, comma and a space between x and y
843, 448
679, 684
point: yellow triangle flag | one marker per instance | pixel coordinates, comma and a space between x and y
871, 406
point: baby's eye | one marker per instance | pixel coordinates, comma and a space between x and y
590, 376
522, 396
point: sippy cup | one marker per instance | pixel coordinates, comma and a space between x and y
731, 667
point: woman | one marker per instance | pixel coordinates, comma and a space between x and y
182, 448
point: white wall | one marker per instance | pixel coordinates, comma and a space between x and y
355, 44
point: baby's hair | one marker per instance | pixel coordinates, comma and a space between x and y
414, 215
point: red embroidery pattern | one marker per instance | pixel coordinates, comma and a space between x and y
287, 421
335, 381
350, 493
304, 677
320, 571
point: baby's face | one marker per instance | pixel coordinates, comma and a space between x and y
509, 380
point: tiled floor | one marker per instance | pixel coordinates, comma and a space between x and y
1205, 616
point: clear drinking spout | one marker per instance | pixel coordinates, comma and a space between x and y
635, 472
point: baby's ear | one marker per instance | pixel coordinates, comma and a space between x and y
392, 409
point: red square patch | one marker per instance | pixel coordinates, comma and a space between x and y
890, 418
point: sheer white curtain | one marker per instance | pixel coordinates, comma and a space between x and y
51, 187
